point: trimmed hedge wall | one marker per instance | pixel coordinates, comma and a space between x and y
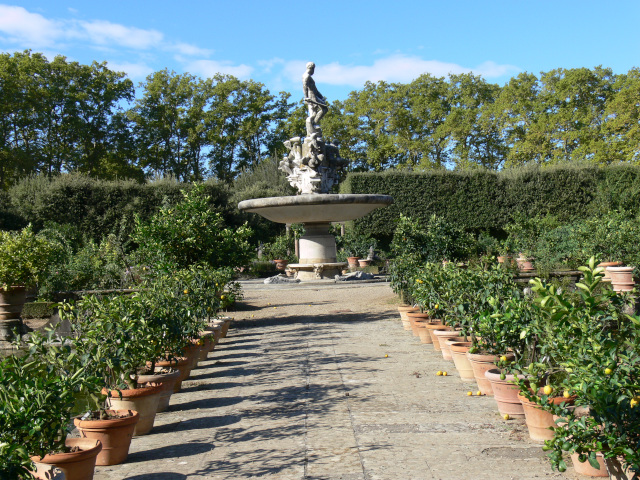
97, 207
485, 200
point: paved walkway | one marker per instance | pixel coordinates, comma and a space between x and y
302, 389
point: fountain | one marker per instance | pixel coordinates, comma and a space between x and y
312, 166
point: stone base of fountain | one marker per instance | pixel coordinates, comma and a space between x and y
317, 246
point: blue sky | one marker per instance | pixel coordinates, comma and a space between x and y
350, 41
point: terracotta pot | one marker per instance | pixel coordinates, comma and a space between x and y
420, 329
445, 338
413, 316
605, 265
353, 262
113, 433
11, 303
463, 366
182, 364
431, 328
225, 322
208, 344
617, 471
281, 264
168, 382
143, 400
505, 393
525, 264
406, 324
364, 263
585, 468
216, 331
75, 465
480, 363
192, 352
539, 421
621, 278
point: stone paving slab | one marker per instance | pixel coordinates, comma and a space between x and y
303, 391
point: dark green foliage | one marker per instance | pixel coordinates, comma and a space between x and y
100, 207
481, 200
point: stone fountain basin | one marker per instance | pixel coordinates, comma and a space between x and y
315, 208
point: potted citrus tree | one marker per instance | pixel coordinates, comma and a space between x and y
23, 259
33, 433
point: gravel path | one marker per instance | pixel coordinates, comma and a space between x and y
320, 382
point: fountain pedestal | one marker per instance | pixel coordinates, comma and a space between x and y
317, 254
317, 246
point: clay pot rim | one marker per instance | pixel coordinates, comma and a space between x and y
489, 357
460, 347
162, 377
444, 332
89, 447
449, 341
493, 374
109, 422
176, 362
620, 269
418, 314
556, 400
135, 392
433, 325
407, 308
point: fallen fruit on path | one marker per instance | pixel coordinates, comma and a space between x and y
439, 373
386, 356
506, 416
469, 393
478, 393
444, 374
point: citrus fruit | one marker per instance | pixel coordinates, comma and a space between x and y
386, 356
547, 389
503, 376
444, 374
439, 373
506, 416
608, 371
478, 393
503, 358
633, 402
469, 393
566, 394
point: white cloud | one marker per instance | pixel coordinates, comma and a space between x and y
135, 71
268, 65
394, 68
208, 68
102, 32
30, 29
189, 50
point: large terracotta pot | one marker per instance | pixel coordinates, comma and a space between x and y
539, 421
505, 393
281, 264
413, 316
431, 328
420, 329
480, 363
364, 263
585, 468
605, 265
113, 433
225, 323
406, 324
353, 262
208, 343
75, 465
165, 378
463, 366
182, 364
11, 304
143, 400
216, 331
192, 352
445, 338
622, 278
525, 264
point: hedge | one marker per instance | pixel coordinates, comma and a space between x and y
483, 200
98, 207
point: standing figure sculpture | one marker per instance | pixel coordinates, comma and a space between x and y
312, 165
316, 103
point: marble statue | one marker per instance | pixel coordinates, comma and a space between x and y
312, 164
